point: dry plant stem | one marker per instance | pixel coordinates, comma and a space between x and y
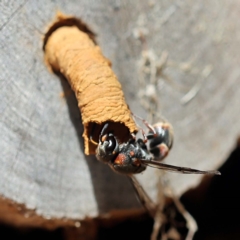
97, 89
159, 218
147, 78
151, 70
191, 223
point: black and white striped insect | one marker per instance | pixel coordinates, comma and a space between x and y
135, 155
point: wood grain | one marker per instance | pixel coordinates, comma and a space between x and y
42, 161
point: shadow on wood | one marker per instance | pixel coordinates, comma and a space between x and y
101, 173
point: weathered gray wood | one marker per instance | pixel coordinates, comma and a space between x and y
42, 160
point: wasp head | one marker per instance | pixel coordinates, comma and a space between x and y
107, 148
124, 158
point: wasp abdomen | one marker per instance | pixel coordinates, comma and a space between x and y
161, 141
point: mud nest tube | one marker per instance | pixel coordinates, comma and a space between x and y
70, 49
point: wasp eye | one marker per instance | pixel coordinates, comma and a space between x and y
111, 144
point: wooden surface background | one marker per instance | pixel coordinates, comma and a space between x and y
42, 162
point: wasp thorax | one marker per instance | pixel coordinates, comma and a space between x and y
129, 158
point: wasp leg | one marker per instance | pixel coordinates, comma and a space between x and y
148, 125
91, 136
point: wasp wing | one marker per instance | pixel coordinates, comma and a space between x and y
172, 168
143, 197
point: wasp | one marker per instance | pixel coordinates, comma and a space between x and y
135, 155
